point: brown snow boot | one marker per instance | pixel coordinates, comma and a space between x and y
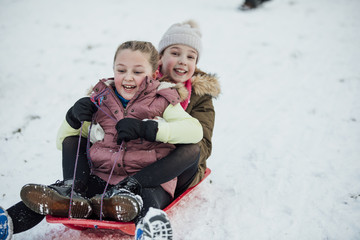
55, 199
122, 202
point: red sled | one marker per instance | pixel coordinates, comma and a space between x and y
125, 227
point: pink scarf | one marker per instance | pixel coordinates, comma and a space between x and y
187, 85
185, 103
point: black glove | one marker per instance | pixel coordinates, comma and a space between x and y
131, 128
82, 110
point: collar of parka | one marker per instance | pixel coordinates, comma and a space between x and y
205, 84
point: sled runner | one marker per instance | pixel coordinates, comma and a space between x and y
125, 227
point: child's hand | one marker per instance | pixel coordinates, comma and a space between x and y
82, 110
131, 128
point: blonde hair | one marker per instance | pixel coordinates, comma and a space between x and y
143, 47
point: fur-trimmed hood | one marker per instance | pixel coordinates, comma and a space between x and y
205, 83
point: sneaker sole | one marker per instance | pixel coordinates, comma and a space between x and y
155, 225
121, 208
6, 225
44, 200
161, 228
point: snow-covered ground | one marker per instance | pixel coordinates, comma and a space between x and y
286, 157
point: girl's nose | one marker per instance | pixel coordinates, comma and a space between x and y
128, 76
182, 60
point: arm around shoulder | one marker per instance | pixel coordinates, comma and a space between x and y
179, 127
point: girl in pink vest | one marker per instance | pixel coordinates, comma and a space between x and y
129, 109
187, 161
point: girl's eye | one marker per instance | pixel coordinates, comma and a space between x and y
138, 72
191, 57
174, 53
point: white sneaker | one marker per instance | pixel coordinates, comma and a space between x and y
155, 225
6, 226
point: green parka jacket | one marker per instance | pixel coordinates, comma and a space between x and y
205, 87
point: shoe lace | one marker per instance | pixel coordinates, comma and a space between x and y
58, 183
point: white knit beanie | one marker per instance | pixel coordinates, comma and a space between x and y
186, 33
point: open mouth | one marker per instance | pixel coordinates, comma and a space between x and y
180, 71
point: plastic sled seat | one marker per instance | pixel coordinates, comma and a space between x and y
125, 227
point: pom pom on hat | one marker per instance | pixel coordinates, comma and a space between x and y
186, 33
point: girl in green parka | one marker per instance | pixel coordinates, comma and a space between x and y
180, 49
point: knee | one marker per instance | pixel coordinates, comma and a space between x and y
71, 141
192, 151
195, 149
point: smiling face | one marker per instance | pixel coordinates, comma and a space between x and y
130, 69
178, 62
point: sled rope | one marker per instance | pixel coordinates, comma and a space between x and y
88, 148
76, 163
97, 101
107, 184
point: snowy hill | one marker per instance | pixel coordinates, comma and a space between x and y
286, 156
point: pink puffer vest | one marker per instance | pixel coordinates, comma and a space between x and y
134, 155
